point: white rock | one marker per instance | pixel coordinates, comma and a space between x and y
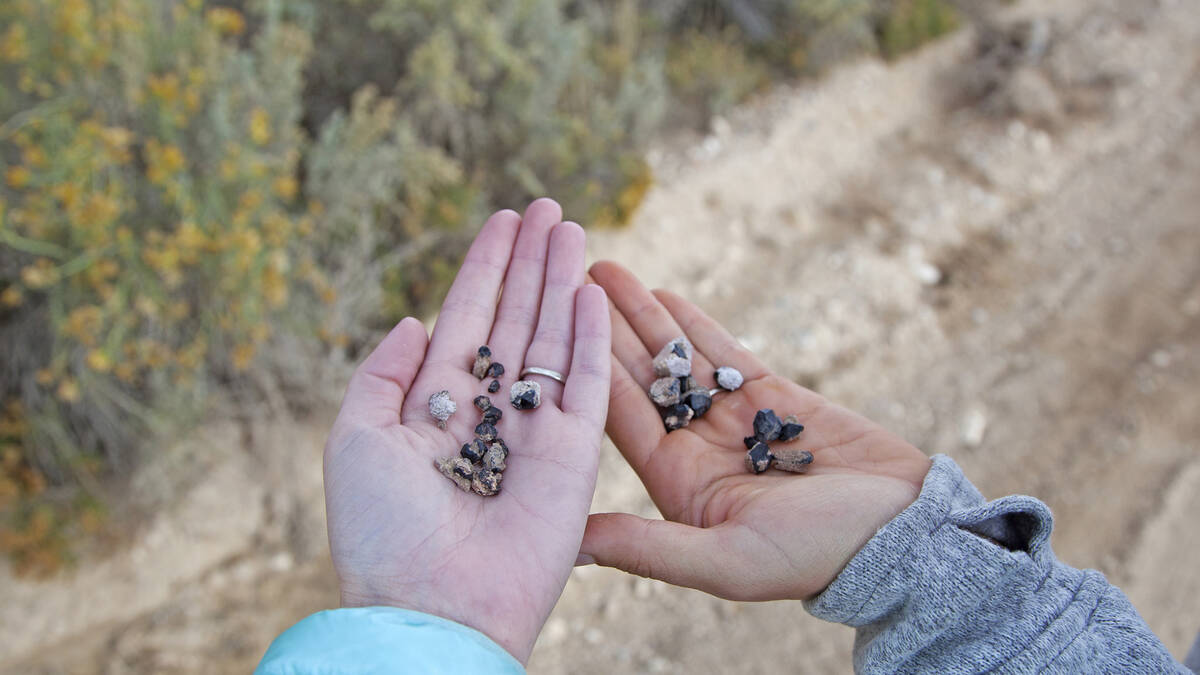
441, 406
974, 427
674, 359
729, 379
927, 273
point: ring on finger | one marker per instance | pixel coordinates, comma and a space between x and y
545, 372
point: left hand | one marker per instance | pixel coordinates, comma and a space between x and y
403, 535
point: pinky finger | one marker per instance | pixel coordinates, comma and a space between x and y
586, 391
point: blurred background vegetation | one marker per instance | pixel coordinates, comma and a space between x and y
201, 198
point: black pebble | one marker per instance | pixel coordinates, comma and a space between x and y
492, 415
473, 451
482, 402
494, 386
758, 459
484, 351
676, 416
495, 370
767, 425
485, 432
790, 431
525, 401
699, 400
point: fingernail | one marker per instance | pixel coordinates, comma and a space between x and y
584, 559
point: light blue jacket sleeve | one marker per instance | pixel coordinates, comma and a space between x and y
383, 640
956, 584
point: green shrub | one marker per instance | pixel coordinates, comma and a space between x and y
908, 24
713, 70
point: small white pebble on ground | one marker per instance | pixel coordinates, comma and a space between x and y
728, 378
441, 406
974, 426
1161, 358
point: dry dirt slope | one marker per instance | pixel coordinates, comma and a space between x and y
1009, 274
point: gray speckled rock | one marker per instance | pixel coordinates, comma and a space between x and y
674, 359
729, 379
665, 392
441, 407
795, 461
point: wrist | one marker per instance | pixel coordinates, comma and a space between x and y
514, 632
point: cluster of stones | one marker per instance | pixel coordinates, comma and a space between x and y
485, 367
481, 463
524, 394
769, 428
679, 397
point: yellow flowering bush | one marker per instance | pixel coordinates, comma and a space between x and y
150, 223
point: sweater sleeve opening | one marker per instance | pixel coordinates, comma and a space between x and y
1013, 531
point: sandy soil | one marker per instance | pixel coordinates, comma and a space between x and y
995, 253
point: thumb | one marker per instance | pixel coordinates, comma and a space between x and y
678, 554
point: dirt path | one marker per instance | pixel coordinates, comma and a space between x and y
1008, 273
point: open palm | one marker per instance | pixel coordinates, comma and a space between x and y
400, 533
730, 533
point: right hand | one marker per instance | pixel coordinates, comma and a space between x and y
730, 533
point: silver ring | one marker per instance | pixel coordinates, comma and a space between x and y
552, 374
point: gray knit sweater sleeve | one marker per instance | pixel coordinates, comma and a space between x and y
956, 584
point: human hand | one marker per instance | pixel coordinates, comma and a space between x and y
728, 532
403, 535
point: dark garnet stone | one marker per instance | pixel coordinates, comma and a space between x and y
473, 451
484, 351
485, 432
790, 431
676, 416
494, 387
699, 400
767, 425
492, 415
525, 401
495, 370
749, 442
758, 459
482, 402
